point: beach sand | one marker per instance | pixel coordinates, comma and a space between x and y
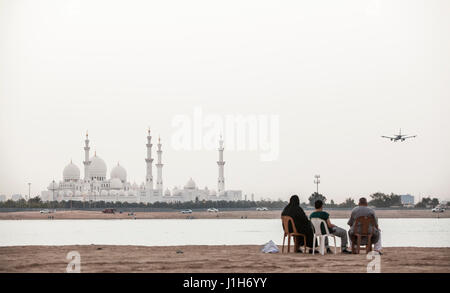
214, 259
250, 214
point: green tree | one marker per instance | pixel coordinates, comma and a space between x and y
426, 202
315, 197
383, 200
348, 203
332, 204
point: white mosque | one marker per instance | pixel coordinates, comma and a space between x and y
95, 186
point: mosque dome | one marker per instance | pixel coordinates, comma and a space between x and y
115, 183
190, 184
212, 192
176, 191
52, 186
167, 192
119, 172
71, 172
97, 167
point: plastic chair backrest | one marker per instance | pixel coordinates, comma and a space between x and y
317, 223
288, 221
363, 223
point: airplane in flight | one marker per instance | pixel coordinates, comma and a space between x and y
400, 136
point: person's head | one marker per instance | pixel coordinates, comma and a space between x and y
318, 204
294, 201
362, 201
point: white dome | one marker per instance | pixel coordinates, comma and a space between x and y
167, 192
97, 168
119, 172
71, 172
190, 184
115, 183
213, 192
52, 186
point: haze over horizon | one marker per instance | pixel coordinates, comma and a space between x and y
338, 75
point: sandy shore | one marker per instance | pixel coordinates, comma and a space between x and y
275, 214
217, 259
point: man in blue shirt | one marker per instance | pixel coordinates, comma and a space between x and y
333, 229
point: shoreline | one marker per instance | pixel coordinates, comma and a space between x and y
214, 259
240, 214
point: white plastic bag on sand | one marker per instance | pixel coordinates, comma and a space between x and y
270, 247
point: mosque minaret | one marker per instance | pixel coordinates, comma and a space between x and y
159, 165
149, 162
95, 186
86, 161
221, 163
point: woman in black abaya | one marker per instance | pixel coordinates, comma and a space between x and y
302, 224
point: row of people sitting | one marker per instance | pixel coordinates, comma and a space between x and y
304, 226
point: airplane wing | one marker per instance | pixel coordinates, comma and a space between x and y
409, 136
388, 137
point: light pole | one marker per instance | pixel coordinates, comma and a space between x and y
317, 182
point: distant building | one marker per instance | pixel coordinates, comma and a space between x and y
2, 197
407, 199
95, 186
16, 197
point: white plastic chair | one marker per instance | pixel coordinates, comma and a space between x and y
318, 235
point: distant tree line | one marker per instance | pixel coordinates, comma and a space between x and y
348, 203
377, 199
427, 202
37, 203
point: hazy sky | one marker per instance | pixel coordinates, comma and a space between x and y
339, 74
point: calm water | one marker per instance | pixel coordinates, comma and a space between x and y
395, 232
